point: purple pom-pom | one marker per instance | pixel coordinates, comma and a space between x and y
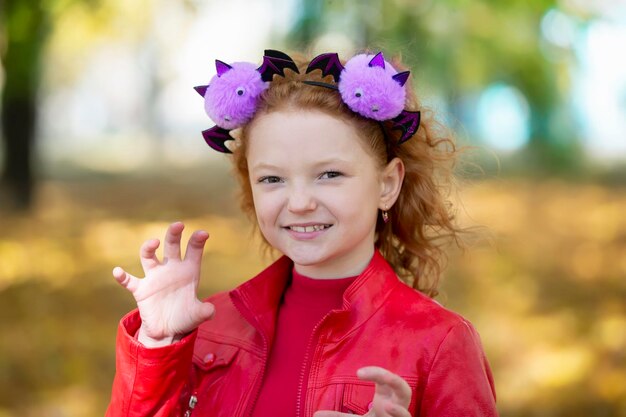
232, 95
370, 90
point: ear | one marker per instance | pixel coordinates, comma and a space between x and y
391, 182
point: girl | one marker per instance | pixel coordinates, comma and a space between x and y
346, 182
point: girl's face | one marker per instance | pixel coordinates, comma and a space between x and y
317, 191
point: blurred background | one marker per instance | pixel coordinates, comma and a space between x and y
101, 149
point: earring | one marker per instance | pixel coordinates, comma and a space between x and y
385, 215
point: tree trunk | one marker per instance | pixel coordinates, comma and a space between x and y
18, 123
26, 26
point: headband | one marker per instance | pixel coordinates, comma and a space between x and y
368, 85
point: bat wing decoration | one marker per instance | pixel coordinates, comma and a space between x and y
328, 63
275, 62
216, 137
407, 122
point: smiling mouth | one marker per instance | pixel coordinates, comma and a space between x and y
309, 229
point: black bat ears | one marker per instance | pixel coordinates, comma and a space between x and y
273, 53
275, 62
328, 63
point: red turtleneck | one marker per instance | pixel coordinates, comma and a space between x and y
305, 302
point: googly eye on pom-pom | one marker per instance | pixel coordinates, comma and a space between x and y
370, 86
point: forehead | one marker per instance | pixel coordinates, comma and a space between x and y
293, 136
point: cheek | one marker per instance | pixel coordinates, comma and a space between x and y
266, 209
361, 195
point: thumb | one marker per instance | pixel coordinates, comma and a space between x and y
205, 311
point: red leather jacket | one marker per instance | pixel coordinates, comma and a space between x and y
217, 370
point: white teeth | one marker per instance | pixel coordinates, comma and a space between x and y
309, 229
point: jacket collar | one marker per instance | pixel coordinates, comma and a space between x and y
259, 298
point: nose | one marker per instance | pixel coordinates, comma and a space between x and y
301, 200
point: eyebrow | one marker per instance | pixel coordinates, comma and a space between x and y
263, 165
331, 161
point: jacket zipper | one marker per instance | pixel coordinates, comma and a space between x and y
257, 385
305, 365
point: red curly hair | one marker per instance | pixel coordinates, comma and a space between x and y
421, 221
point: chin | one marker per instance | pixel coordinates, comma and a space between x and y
324, 261
306, 256
307, 259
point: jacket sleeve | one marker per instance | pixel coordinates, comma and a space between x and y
149, 382
460, 382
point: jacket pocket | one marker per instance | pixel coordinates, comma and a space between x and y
212, 364
210, 355
357, 397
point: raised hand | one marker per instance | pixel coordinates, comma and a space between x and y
391, 397
167, 296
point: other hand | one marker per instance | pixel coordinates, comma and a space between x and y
391, 398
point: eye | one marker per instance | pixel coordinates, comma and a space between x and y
330, 174
270, 179
358, 92
240, 91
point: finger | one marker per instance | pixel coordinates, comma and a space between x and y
385, 378
125, 279
147, 254
171, 248
196, 246
329, 413
396, 410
